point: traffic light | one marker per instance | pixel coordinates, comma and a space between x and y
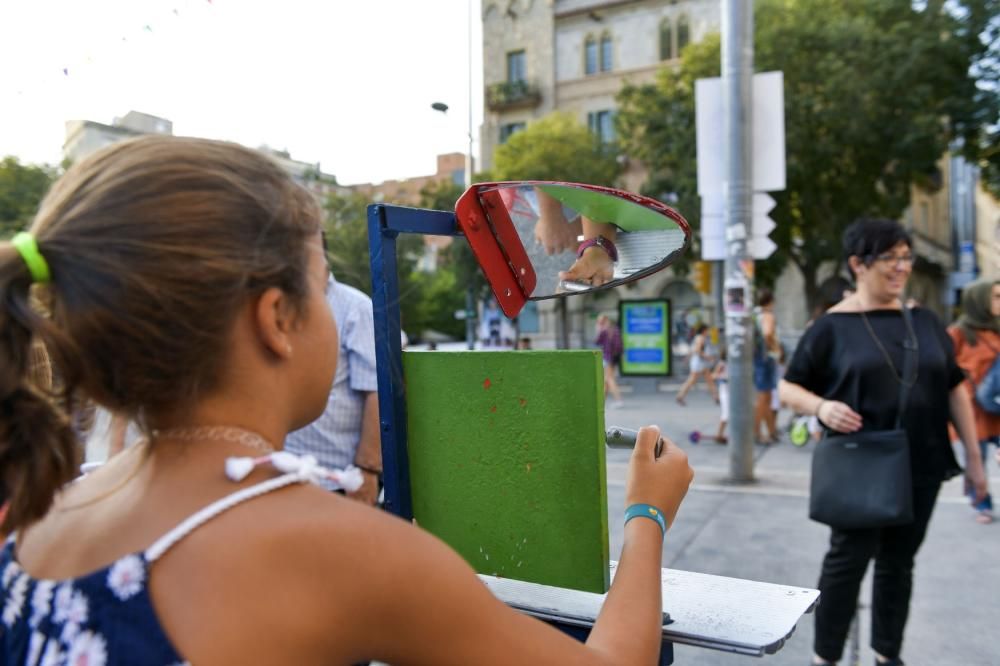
702, 276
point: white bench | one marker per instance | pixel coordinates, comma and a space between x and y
729, 614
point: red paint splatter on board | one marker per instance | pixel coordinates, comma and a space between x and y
493, 409
487, 383
522, 401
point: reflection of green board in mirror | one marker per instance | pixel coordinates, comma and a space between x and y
507, 461
601, 207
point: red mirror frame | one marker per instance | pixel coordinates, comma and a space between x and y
494, 241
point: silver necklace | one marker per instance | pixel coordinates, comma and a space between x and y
232, 434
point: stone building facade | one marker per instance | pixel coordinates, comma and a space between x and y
987, 234
450, 167
84, 137
574, 55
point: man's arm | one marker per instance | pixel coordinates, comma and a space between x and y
368, 457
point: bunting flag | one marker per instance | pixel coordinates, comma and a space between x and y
148, 27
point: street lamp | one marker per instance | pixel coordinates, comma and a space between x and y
470, 297
443, 108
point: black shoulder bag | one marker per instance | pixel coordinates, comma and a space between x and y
863, 480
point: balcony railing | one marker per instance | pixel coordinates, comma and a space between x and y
512, 95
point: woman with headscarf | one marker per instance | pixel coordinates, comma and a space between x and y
976, 336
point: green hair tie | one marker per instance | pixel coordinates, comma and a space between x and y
27, 247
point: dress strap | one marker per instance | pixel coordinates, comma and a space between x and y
165, 542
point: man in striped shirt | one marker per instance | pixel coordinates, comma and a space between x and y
348, 431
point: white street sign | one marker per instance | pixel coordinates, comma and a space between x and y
715, 234
762, 247
713, 248
714, 204
768, 141
762, 225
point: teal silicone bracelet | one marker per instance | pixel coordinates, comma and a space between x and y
647, 511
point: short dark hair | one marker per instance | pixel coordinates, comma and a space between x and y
765, 297
831, 291
869, 237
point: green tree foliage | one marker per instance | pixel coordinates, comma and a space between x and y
875, 92
427, 300
346, 229
22, 187
556, 147
456, 269
440, 194
457, 258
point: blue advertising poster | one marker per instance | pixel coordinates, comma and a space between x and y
645, 328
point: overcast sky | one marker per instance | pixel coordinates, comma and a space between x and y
348, 84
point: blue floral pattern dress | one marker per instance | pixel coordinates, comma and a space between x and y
103, 618
107, 617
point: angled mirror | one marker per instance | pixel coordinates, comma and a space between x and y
536, 240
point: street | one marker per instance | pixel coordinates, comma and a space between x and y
761, 531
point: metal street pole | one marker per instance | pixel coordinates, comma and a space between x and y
737, 73
470, 296
468, 154
471, 316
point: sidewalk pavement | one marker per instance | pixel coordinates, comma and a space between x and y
761, 531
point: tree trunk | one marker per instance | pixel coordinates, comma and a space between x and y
808, 270
811, 288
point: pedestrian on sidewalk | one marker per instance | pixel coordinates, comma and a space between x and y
700, 363
609, 339
187, 279
721, 377
766, 351
976, 336
847, 370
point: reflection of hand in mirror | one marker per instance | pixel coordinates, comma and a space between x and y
595, 265
553, 231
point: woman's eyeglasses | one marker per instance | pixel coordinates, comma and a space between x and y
890, 259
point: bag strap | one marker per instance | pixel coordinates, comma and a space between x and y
911, 349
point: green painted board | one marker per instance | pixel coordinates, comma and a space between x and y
507, 461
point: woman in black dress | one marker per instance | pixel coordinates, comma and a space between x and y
847, 370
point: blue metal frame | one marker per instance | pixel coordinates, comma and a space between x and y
385, 223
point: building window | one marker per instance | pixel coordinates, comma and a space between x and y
666, 40
683, 34
607, 56
517, 67
601, 124
510, 129
590, 56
